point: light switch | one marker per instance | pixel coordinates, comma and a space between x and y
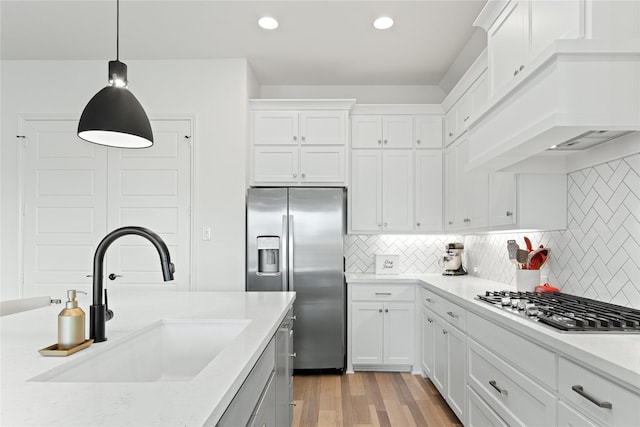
206, 233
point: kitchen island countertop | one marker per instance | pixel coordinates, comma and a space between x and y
614, 355
182, 403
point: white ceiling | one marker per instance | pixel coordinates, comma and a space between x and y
327, 42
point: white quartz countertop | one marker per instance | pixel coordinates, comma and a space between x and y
182, 403
615, 355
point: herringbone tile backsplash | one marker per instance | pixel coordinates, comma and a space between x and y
598, 256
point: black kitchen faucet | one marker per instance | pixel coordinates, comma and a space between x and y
99, 312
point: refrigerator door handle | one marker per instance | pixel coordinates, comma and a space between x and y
283, 258
290, 242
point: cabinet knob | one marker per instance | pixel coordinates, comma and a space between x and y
379, 310
303, 175
452, 314
515, 72
418, 141
385, 224
294, 317
429, 300
303, 138
292, 403
295, 138
379, 141
295, 175
467, 220
385, 141
444, 332
521, 68
450, 222
386, 310
418, 224
293, 355
466, 118
429, 320
509, 213
450, 133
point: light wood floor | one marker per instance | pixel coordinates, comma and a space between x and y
369, 399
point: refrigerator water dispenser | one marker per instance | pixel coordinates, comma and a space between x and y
268, 255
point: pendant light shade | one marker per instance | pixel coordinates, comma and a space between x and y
114, 117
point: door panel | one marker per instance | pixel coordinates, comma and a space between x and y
64, 192
75, 192
151, 188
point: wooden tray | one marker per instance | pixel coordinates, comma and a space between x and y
52, 350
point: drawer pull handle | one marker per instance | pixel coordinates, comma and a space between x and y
294, 317
429, 300
383, 293
293, 404
502, 391
293, 355
580, 390
452, 314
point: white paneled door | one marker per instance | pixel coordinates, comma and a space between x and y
75, 192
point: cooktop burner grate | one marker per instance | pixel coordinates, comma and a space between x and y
567, 312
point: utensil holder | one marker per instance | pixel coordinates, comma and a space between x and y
526, 280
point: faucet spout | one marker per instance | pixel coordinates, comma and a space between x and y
97, 311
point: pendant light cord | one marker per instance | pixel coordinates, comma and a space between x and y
117, 30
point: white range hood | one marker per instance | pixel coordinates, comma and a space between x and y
576, 95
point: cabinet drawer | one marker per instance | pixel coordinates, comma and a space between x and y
533, 360
480, 414
567, 417
515, 398
597, 397
382, 292
452, 313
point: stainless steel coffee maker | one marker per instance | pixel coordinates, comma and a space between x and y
452, 260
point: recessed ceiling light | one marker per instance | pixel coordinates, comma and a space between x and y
383, 23
268, 23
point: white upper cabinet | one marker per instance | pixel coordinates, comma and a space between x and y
428, 198
427, 131
299, 142
462, 112
381, 131
523, 30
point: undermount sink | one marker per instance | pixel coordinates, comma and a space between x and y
169, 350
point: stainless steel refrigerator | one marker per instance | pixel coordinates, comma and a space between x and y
295, 243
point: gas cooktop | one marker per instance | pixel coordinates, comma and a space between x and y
568, 313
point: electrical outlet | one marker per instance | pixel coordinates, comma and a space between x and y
206, 233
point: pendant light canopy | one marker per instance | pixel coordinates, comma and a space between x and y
114, 117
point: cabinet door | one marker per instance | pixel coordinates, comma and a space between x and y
323, 127
502, 199
366, 131
275, 164
450, 181
397, 190
398, 333
428, 343
507, 44
322, 164
551, 20
366, 190
265, 414
275, 127
479, 93
439, 371
397, 131
451, 120
367, 323
465, 107
428, 198
456, 377
472, 193
282, 378
427, 131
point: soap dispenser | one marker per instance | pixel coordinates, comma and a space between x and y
71, 323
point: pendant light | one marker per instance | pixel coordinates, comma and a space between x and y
114, 117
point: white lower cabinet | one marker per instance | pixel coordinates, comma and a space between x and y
567, 417
381, 327
598, 398
444, 349
480, 414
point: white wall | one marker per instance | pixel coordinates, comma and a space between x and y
408, 94
213, 93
